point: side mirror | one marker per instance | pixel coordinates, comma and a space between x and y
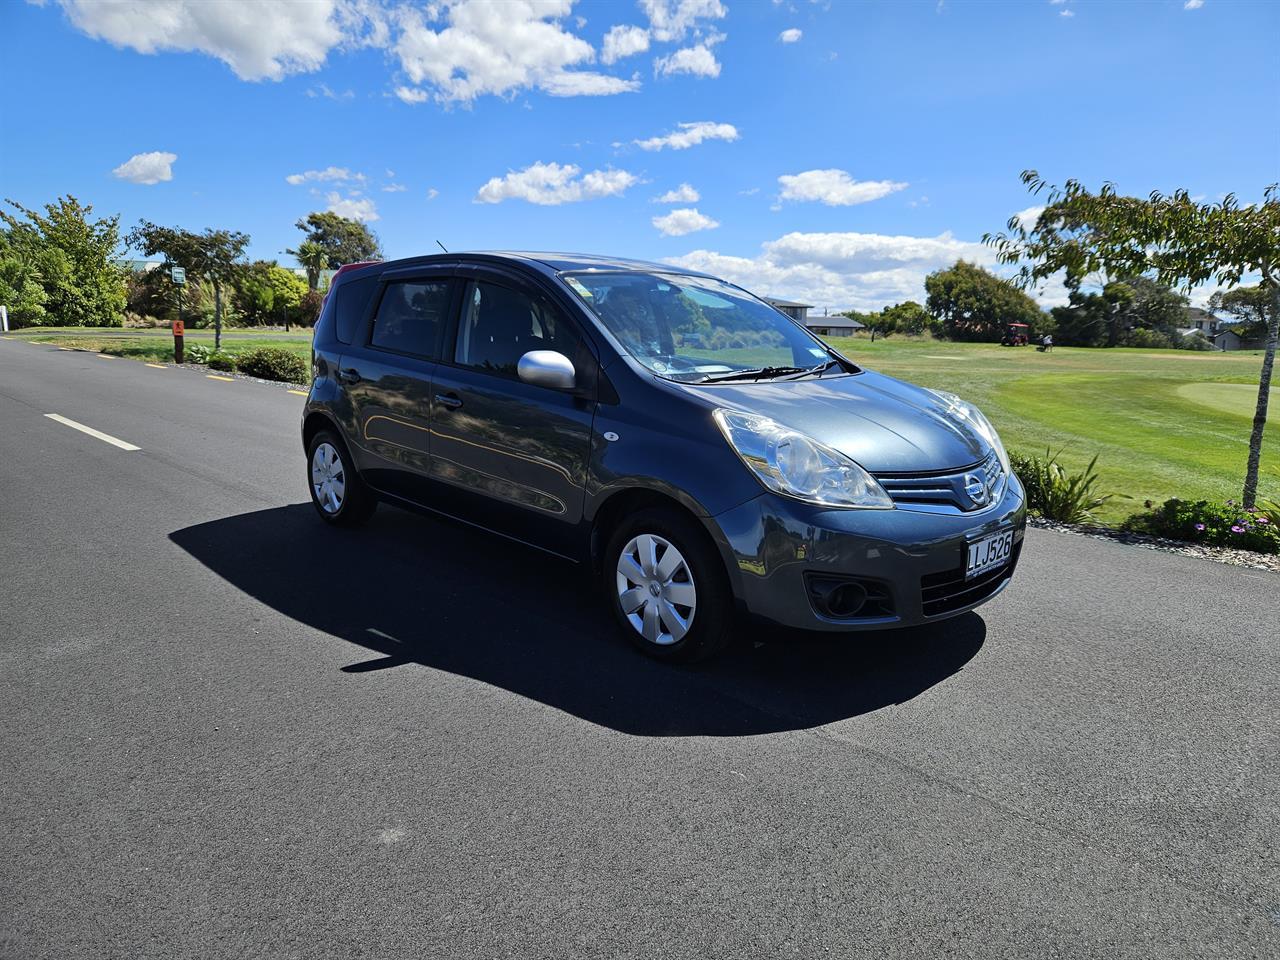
547, 368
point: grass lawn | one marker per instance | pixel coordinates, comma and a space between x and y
157, 345
1164, 423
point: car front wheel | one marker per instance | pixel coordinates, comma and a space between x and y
667, 587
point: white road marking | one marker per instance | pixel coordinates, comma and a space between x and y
104, 437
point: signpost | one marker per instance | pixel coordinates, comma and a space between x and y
179, 277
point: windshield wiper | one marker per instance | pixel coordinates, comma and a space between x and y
818, 369
753, 373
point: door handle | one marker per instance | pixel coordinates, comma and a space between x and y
448, 400
349, 375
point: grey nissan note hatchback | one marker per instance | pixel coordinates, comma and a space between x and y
704, 453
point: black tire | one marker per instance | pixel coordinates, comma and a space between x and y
357, 502
710, 625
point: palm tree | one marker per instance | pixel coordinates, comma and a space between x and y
314, 258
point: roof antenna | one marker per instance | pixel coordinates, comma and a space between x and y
441, 246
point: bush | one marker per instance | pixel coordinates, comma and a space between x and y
196, 353
1216, 524
1055, 494
273, 363
217, 360
1148, 339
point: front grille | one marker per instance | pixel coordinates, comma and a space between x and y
947, 491
949, 591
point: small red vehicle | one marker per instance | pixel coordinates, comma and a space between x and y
1016, 335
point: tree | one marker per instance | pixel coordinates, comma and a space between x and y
268, 293
1253, 308
879, 322
58, 267
974, 304
313, 257
1171, 239
214, 255
343, 241
908, 317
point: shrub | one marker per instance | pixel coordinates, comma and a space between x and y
1205, 521
273, 363
1055, 494
196, 353
217, 360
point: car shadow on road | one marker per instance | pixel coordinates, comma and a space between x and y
411, 590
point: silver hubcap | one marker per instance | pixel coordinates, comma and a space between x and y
656, 589
328, 478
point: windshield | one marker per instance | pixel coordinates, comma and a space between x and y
695, 328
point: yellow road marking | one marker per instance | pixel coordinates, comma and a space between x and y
301, 393
104, 437
106, 356
157, 366
214, 376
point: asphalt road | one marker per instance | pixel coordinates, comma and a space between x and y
229, 731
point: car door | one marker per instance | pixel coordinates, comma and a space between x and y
506, 454
387, 374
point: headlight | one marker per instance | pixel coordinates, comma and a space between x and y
798, 466
967, 413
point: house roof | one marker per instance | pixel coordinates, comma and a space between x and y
787, 303
836, 321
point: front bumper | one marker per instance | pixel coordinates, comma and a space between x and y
776, 548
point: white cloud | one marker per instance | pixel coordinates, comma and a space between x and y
324, 90
1193, 5
681, 194
432, 193
1027, 218
835, 188
791, 36
352, 207
584, 83
672, 19
1067, 13
690, 135
623, 41
551, 184
698, 61
394, 188
861, 270
495, 48
327, 175
412, 95
148, 168
677, 223
259, 40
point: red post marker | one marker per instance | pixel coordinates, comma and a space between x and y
178, 332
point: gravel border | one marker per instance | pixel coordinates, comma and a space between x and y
1235, 558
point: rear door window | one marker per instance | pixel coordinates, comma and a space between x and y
412, 316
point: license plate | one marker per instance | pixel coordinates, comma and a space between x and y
988, 553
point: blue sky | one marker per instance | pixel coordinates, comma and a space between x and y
838, 152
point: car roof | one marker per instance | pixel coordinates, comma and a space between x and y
547, 263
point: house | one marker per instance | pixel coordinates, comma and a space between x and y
1202, 320
823, 326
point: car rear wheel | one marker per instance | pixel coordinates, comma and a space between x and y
667, 587
337, 492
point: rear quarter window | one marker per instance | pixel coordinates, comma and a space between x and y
351, 306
